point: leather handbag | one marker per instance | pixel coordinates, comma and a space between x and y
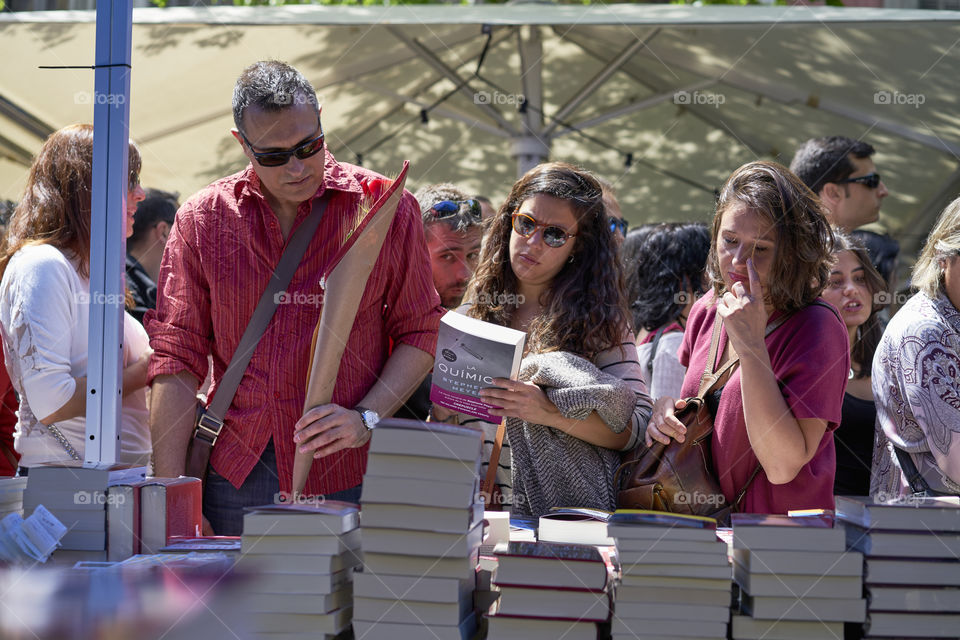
679, 477
208, 422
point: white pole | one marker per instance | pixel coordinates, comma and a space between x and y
108, 238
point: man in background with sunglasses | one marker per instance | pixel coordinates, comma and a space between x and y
840, 171
222, 251
452, 224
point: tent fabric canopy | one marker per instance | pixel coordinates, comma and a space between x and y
665, 101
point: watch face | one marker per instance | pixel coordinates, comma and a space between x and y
370, 419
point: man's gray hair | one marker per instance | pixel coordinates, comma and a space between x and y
270, 85
431, 194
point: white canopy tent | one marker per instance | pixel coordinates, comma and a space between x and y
687, 93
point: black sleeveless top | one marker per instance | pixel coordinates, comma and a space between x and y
854, 443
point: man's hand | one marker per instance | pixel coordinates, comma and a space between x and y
329, 428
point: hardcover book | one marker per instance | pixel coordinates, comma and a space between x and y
575, 526
470, 354
903, 544
794, 533
557, 604
328, 519
431, 439
517, 628
168, 507
908, 513
573, 566
749, 628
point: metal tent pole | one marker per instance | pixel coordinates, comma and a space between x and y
111, 124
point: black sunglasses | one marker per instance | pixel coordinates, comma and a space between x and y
871, 180
450, 208
279, 158
553, 236
618, 224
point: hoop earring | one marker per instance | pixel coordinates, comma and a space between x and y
570, 259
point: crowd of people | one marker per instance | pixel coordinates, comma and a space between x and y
826, 393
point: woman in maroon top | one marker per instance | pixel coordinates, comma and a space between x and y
770, 255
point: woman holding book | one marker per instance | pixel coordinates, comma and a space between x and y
852, 289
916, 376
549, 267
45, 306
774, 418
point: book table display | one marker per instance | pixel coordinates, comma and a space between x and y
406, 564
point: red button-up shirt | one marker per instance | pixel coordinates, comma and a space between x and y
222, 250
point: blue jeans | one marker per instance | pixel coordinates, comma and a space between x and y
223, 504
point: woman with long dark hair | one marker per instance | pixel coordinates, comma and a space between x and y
45, 306
853, 289
549, 267
770, 256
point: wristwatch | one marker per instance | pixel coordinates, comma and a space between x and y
368, 417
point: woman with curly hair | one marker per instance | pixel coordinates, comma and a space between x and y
852, 289
770, 257
669, 274
549, 267
45, 307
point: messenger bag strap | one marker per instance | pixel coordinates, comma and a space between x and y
709, 377
209, 426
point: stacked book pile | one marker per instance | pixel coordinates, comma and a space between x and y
11, 495
422, 527
675, 577
548, 591
77, 496
299, 557
911, 549
797, 581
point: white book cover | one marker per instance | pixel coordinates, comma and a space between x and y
470, 354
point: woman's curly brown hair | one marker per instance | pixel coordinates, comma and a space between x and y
56, 203
585, 309
804, 240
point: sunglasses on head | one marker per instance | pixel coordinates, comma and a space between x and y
871, 180
553, 236
303, 151
450, 208
618, 224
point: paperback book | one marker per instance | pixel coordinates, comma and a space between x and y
470, 354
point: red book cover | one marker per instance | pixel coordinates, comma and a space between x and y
169, 507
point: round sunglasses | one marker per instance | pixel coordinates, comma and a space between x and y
450, 208
553, 236
303, 151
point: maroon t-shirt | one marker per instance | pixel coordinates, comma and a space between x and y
811, 359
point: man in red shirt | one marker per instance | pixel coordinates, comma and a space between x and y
224, 246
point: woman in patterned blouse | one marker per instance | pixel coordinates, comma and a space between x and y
916, 375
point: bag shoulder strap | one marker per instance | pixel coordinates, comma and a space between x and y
710, 377
266, 307
917, 482
653, 350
